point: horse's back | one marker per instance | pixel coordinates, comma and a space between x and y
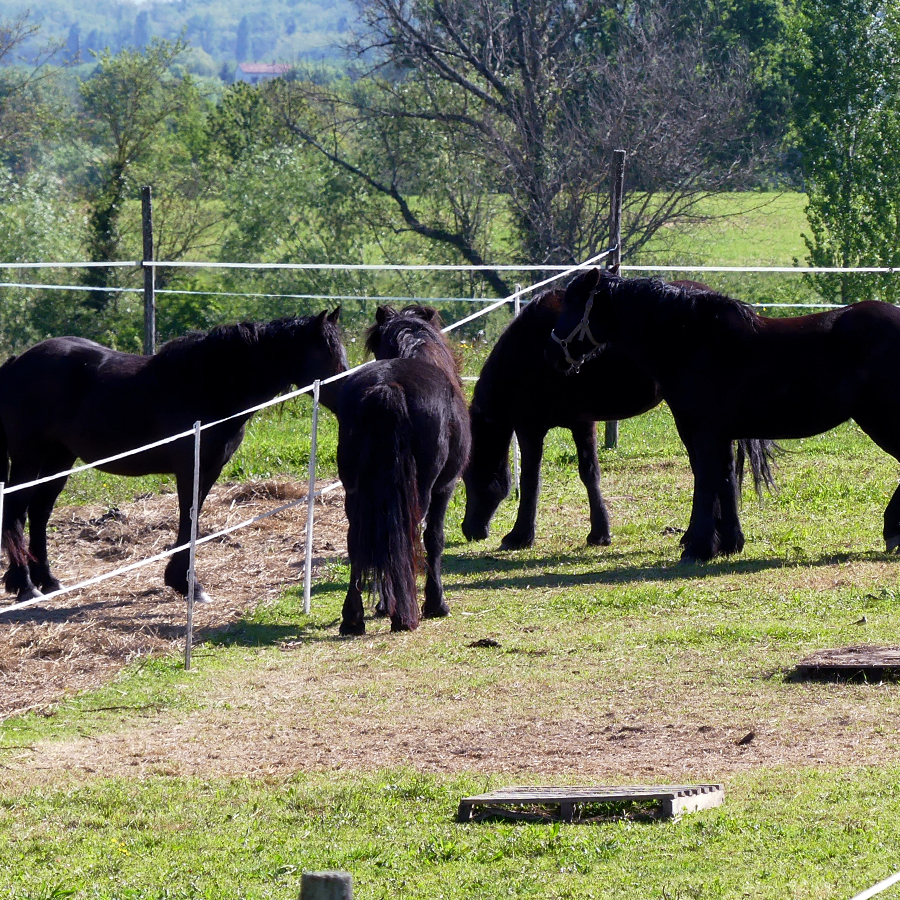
64, 389
409, 394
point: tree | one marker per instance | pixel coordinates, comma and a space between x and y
848, 123
471, 102
29, 110
130, 102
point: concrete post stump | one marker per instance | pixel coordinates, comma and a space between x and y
326, 886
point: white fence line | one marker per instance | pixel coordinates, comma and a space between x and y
878, 888
308, 388
247, 412
165, 554
429, 267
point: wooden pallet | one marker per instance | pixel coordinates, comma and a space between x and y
673, 799
862, 662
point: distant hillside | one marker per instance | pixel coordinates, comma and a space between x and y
222, 33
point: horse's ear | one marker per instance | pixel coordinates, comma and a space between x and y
589, 279
613, 269
431, 315
384, 313
333, 317
320, 318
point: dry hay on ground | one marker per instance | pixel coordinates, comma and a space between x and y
78, 641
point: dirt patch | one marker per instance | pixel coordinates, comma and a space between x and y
80, 640
338, 705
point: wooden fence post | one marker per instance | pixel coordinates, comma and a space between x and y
617, 190
326, 886
149, 273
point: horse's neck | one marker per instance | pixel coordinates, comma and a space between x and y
491, 437
230, 380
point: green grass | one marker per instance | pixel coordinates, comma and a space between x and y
585, 634
742, 229
587, 643
395, 832
755, 228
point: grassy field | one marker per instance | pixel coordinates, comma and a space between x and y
288, 749
591, 646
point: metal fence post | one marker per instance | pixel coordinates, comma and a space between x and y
517, 466
192, 553
311, 500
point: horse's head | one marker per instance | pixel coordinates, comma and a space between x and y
405, 333
314, 351
579, 334
487, 476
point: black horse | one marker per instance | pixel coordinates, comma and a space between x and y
68, 397
726, 371
519, 391
403, 442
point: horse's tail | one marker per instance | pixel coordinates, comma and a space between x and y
761, 455
383, 509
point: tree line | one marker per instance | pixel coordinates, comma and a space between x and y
221, 33
465, 131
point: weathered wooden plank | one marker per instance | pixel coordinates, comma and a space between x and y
674, 799
864, 660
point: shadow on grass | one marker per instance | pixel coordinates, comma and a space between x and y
518, 570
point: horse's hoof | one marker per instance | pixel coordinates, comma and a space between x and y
476, 534
599, 540
892, 544
202, 597
515, 542
438, 611
688, 557
350, 629
400, 625
26, 594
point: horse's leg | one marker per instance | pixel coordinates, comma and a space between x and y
17, 506
725, 508
714, 527
352, 614
531, 447
585, 436
176, 575
435, 604
17, 579
879, 425
39, 509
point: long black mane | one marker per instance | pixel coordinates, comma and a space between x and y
220, 345
675, 302
413, 333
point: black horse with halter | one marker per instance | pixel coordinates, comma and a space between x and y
581, 332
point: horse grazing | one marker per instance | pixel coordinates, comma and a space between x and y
726, 371
69, 397
403, 441
519, 391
